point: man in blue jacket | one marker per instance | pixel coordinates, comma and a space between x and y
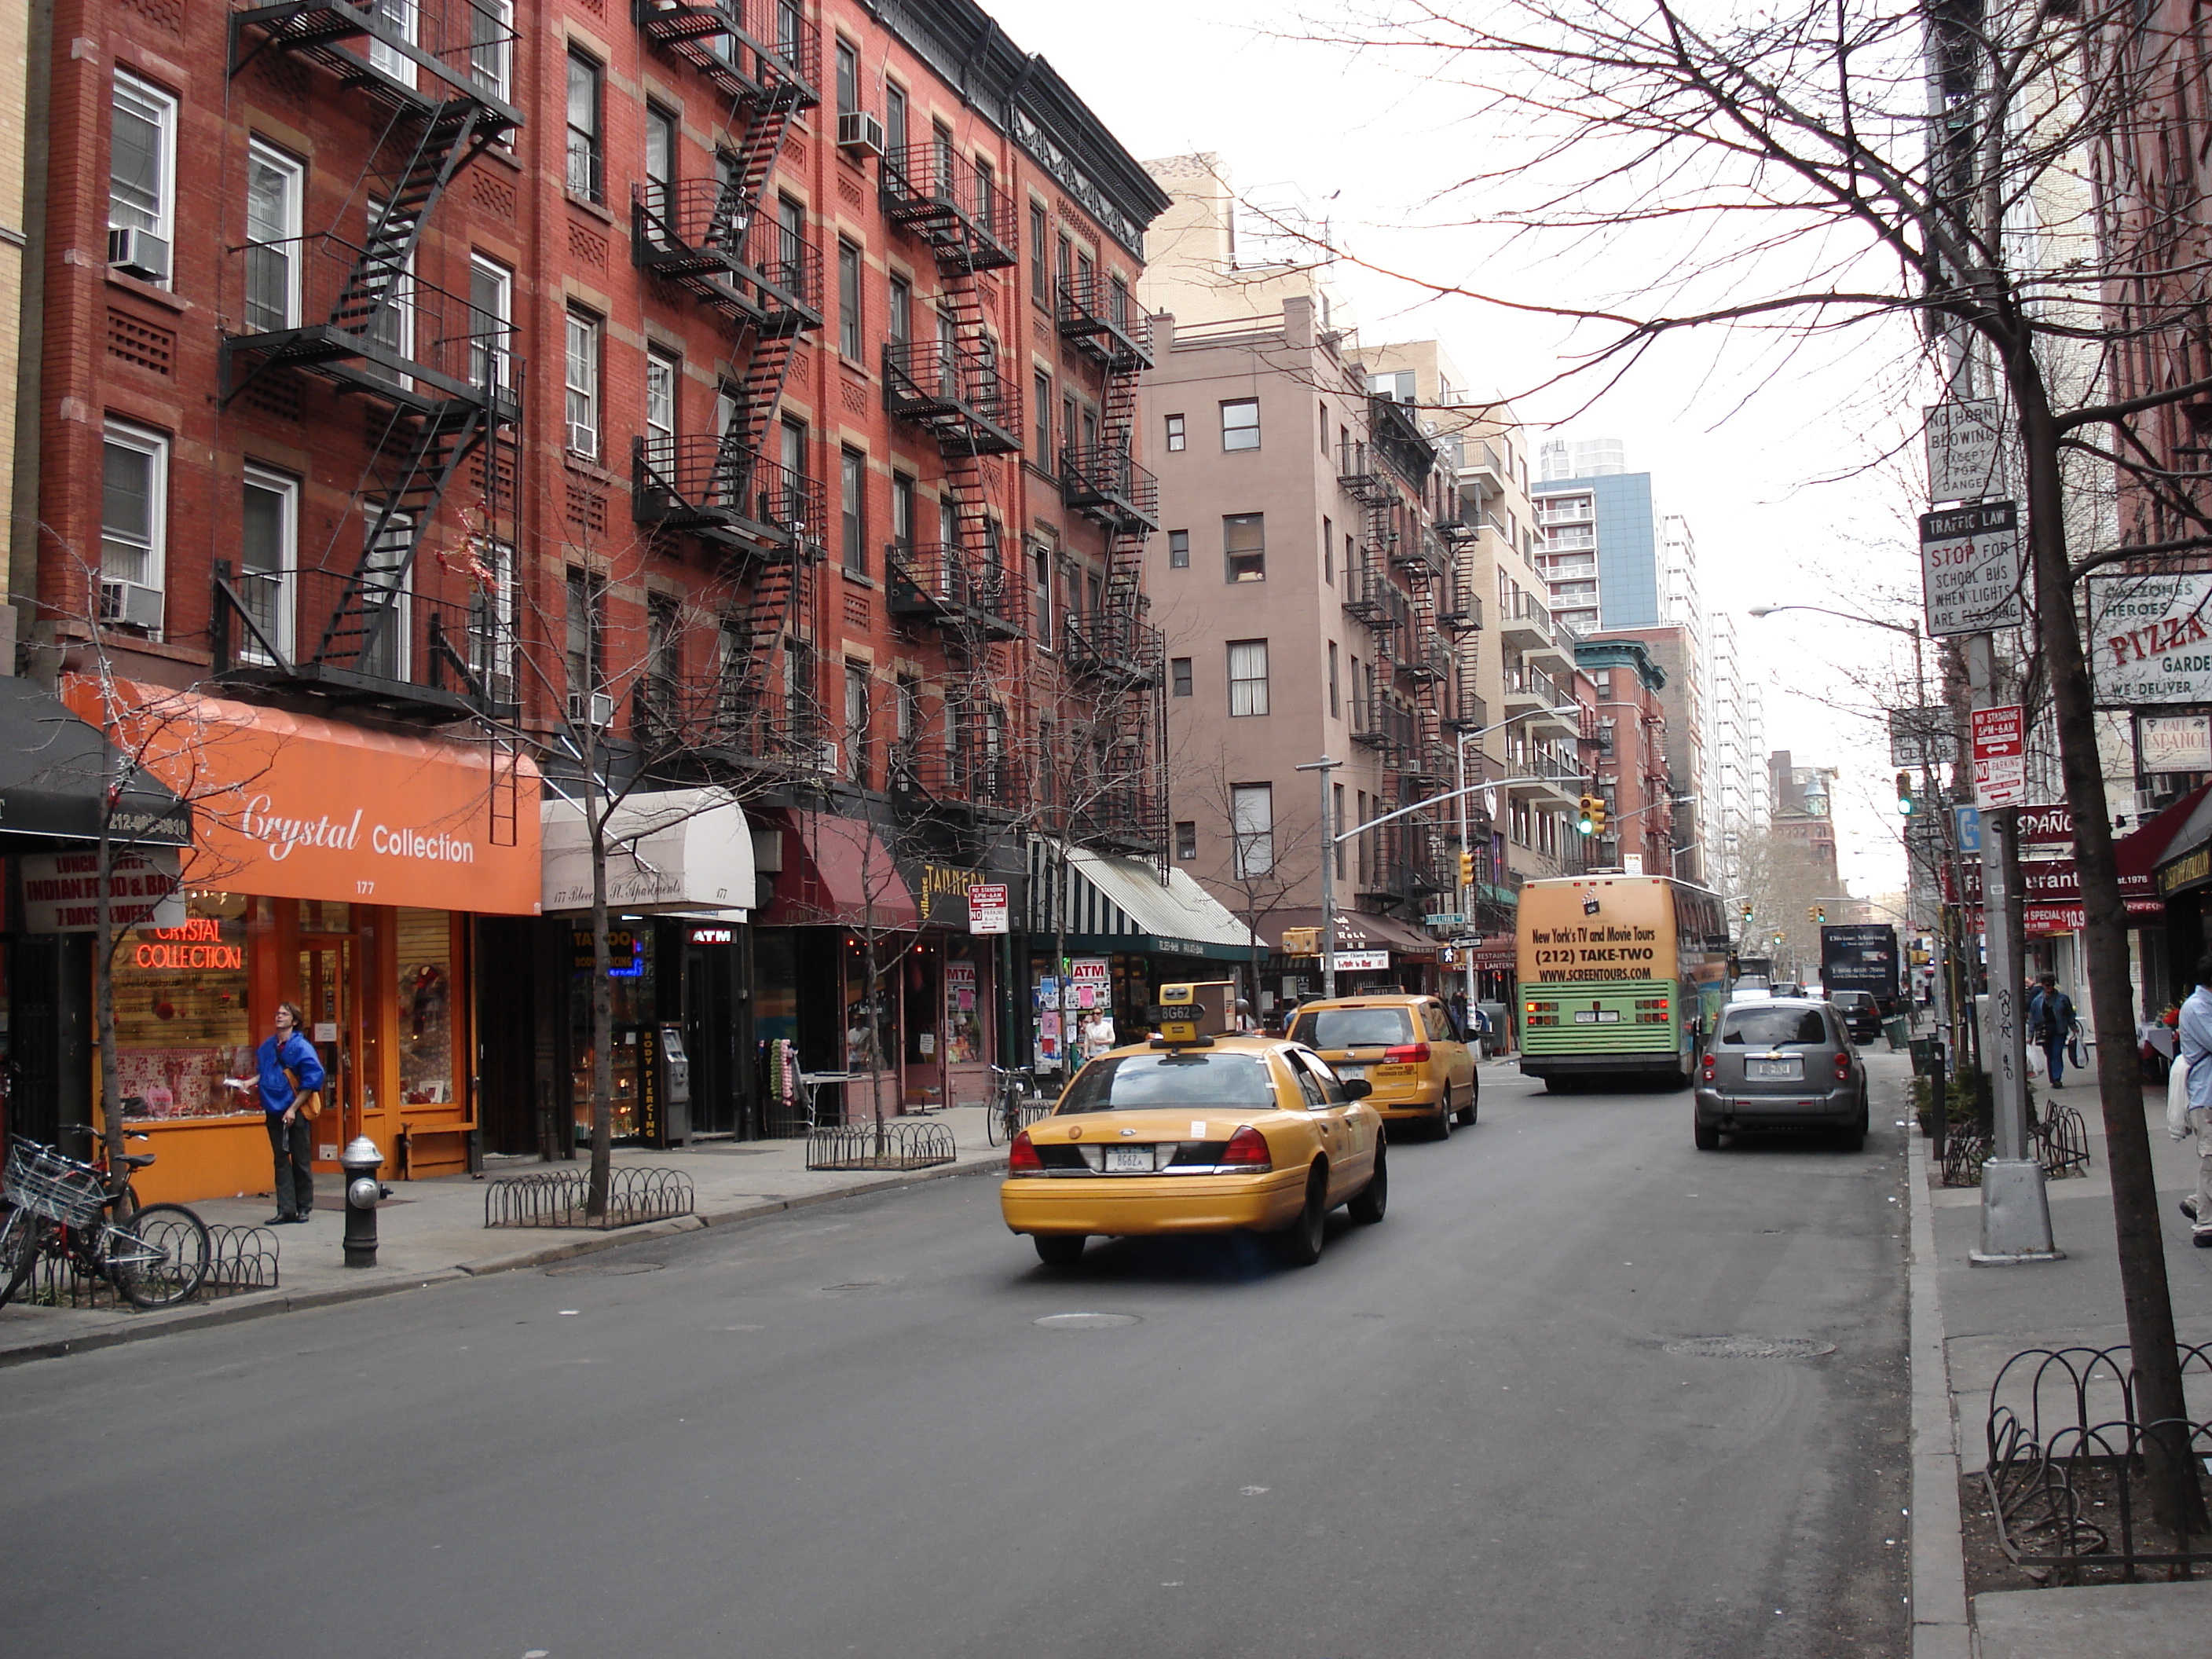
287, 1067
2051, 1023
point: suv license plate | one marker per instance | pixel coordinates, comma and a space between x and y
1780, 1070
1598, 1017
1128, 1160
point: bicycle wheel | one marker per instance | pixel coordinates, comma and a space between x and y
994, 1118
21, 1234
162, 1259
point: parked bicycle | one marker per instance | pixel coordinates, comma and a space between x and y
1015, 1103
155, 1256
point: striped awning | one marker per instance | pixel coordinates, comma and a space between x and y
1122, 904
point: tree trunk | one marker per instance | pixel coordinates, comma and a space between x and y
603, 998
2176, 1499
103, 986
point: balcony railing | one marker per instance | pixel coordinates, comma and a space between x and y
715, 486
756, 268
1463, 711
430, 645
320, 303
1108, 485
1114, 646
1122, 817
958, 393
941, 583
1460, 607
759, 50
720, 716
466, 45
923, 771
1428, 656
1098, 316
1359, 472
1378, 723
1526, 683
958, 209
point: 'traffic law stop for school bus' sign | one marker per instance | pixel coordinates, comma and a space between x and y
1970, 568
2149, 639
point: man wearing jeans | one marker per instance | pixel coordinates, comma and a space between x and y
2196, 1048
2051, 1023
286, 1068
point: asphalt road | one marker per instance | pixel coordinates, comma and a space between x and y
844, 1432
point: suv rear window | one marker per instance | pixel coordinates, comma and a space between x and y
1352, 1027
1134, 1083
1852, 998
1773, 1028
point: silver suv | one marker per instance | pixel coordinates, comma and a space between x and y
1786, 1063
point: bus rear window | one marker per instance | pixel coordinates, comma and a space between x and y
1352, 1028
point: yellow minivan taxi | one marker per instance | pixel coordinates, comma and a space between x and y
1405, 1046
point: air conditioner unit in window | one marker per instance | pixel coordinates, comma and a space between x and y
597, 710
139, 253
860, 133
131, 604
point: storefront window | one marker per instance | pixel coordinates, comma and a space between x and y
426, 1026
629, 952
963, 1007
181, 1023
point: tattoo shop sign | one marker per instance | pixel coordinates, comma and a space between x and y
2149, 639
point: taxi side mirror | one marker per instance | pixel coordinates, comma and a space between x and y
1357, 1088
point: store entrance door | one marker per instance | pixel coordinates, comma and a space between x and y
329, 997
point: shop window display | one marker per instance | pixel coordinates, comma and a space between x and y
181, 1021
963, 1009
630, 975
426, 1027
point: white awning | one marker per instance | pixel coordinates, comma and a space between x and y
1121, 904
671, 852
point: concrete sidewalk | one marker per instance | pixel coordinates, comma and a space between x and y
1966, 1323
431, 1232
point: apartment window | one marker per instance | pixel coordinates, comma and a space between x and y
142, 172
1177, 438
856, 723
1086, 279
1328, 551
1244, 546
1323, 407
1068, 406
791, 451
1252, 824
584, 643
491, 322
662, 370
802, 713
894, 119
1240, 423
1178, 549
398, 15
586, 159
1335, 707
1064, 264
848, 302
1041, 395
848, 76
987, 201
1359, 842
664, 638
268, 553
491, 43
899, 325
1179, 674
1040, 290
273, 191
852, 507
903, 511
133, 524
583, 383
1336, 808
1397, 386
906, 717
660, 164
1248, 677
1185, 837
790, 239
1041, 585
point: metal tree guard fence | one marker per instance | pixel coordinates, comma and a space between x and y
558, 1199
239, 1258
2060, 1138
2066, 1471
894, 1144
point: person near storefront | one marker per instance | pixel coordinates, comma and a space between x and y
1098, 1034
2197, 1051
2051, 1024
287, 1071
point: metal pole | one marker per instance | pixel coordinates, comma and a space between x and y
2015, 1209
1325, 766
1466, 905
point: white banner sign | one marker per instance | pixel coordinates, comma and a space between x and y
2175, 743
2151, 639
1361, 962
1970, 568
61, 890
1966, 460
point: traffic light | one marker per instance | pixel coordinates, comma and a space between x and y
1596, 815
1904, 794
1746, 912
1466, 868
1586, 816
1812, 913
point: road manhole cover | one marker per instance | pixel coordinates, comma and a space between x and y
604, 1269
1087, 1322
1750, 1347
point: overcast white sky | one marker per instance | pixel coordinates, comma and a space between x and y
1736, 442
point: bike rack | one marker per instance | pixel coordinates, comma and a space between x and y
239, 1258
634, 1194
894, 1144
2060, 1138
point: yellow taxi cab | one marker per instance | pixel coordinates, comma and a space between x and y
1402, 1044
1197, 1131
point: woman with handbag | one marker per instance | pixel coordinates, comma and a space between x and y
289, 1078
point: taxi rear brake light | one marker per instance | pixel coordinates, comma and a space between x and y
1247, 1150
1409, 1054
1022, 1156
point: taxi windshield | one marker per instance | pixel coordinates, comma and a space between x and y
1126, 1083
1352, 1027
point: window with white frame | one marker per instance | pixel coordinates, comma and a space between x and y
586, 172
142, 174
662, 370
583, 383
491, 323
492, 621
274, 187
491, 45
392, 324
398, 18
268, 554
1252, 828
1248, 677
1240, 423
133, 524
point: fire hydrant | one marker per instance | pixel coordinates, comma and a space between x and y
361, 1161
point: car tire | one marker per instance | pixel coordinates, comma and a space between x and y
1707, 1135
1368, 1203
1441, 1128
1855, 1138
1468, 1113
1059, 1249
1299, 1243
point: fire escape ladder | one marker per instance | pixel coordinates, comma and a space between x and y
447, 142
767, 123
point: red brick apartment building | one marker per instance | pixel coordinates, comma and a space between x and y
716, 392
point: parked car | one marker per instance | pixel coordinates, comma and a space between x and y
1404, 1045
1861, 1012
1783, 1063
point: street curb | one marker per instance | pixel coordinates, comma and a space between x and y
1940, 1626
250, 1307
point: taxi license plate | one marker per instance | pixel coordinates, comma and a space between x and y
1788, 1070
1347, 1070
1128, 1160
1598, 1017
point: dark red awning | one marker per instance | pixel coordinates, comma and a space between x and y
838, 873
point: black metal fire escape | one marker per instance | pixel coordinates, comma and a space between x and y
354, 314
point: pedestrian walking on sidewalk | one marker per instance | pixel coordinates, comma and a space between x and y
289, 1070
2197, 1051
2051, 1023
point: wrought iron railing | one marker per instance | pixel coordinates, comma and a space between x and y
956, 206
695, 226
953, 388
1106, 480
701, 480
944, 581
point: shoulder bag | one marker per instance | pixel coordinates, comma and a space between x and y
309, 1101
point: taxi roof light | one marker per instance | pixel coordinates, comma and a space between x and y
1248, 1150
